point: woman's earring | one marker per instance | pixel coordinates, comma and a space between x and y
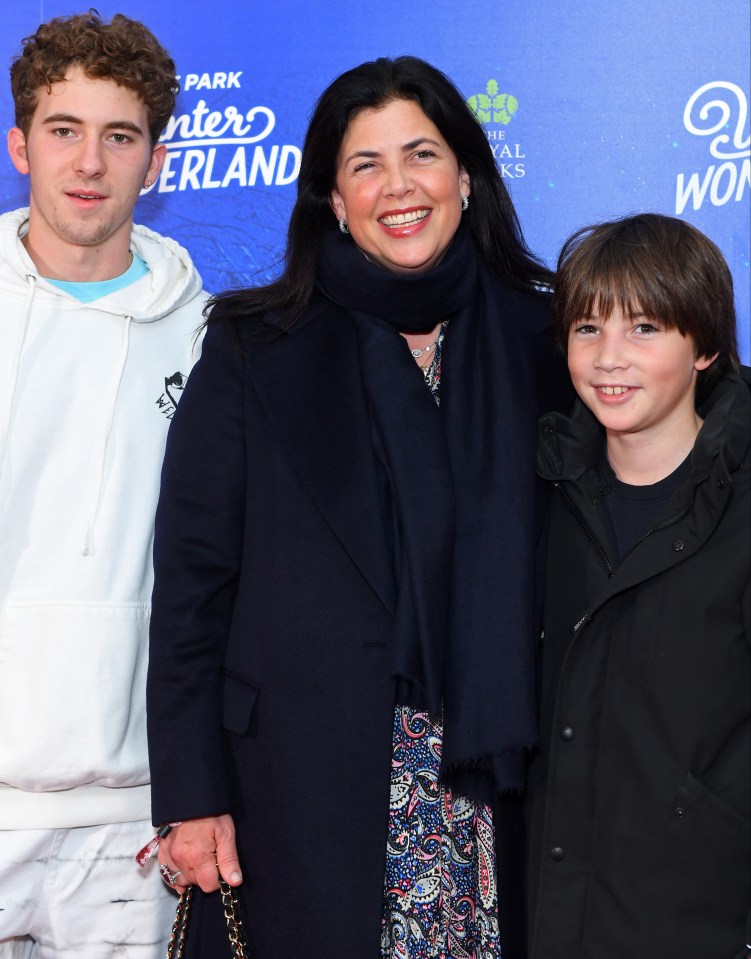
465, 203
343, 225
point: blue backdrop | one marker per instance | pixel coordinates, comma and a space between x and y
593, 109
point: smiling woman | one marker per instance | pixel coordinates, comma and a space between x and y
399, 187
343, 626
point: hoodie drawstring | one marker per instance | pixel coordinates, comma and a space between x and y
7, 407
98, 480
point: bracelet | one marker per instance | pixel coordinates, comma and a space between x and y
143, 855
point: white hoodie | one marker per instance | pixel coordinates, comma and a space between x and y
87, 392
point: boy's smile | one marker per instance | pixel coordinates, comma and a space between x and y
638, 377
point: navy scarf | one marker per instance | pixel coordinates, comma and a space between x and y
460, 503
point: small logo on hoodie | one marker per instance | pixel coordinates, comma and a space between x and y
173, 387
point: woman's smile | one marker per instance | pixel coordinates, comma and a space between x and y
399, 187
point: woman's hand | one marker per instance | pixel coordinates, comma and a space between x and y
196, 847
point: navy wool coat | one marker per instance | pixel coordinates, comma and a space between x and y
269, 693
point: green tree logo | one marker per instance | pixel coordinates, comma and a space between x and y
493, 106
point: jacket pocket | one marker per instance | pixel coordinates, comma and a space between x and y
239, 697
73, 694
694, 799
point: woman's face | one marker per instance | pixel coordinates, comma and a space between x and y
399, 187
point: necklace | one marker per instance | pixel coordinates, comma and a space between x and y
417, 353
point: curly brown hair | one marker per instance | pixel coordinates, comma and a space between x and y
123, 50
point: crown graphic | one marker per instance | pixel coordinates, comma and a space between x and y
493, 106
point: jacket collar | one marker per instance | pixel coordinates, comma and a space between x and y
569, 451
570, 446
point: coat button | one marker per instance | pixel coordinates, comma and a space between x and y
720, 484
548, 430
557, 854
567, 733
678, 545
680, 812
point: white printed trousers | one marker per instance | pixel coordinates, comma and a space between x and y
79, 894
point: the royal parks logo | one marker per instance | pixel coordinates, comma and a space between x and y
717, 110
211, 148
495, 110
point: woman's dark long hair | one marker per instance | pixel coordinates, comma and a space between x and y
371, 85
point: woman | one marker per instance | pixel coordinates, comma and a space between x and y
342, 635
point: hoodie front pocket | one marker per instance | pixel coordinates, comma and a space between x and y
72, 694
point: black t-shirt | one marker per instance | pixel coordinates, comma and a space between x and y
631, 509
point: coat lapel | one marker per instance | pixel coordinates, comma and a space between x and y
310, 385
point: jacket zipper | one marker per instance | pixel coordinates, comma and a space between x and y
595, 542
577, 513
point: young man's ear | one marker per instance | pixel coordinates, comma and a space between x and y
17, 149
158, 156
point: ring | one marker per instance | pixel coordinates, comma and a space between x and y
168, 875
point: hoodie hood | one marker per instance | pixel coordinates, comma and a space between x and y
102, 345
172, 280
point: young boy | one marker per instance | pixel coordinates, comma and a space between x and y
96, 343
640, 796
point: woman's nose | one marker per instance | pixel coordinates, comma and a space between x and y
398, 181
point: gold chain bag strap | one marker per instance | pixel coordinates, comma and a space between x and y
235, 932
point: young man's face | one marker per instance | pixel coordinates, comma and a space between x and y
88, 155
634, 374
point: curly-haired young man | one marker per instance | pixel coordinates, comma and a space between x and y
95, 346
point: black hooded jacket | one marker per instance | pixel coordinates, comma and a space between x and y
639, 798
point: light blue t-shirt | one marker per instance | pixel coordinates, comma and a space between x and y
88, 292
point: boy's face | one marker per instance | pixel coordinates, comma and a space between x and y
88, 153
634, 374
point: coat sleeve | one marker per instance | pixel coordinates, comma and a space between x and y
197, 555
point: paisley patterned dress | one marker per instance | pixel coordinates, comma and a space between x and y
440, 896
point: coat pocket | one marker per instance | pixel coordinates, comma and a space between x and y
694, 799
239, 698
698, 878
